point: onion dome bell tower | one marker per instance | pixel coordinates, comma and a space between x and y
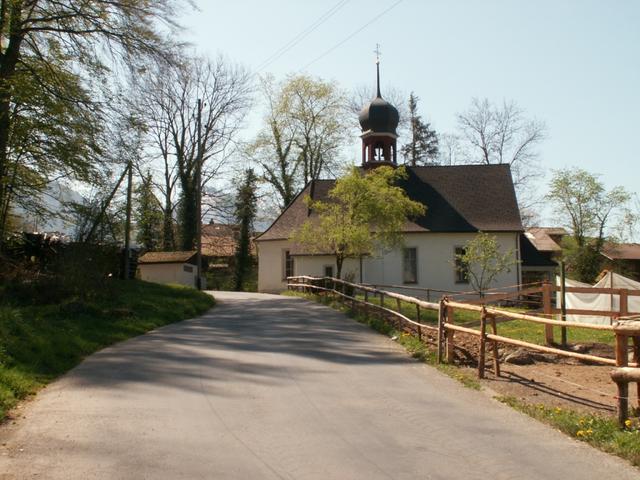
379, 120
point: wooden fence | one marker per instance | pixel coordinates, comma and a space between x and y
372, 299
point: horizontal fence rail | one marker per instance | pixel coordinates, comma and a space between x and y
374, 299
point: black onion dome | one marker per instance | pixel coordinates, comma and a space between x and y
379, 116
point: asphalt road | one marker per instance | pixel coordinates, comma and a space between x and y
268, 387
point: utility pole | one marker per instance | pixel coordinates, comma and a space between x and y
199, 201
127, 225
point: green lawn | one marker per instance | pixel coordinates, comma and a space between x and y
40, 342
516, 329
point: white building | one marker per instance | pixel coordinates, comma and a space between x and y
169, 267
461, 200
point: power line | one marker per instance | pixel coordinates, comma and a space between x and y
350, 36
302, 35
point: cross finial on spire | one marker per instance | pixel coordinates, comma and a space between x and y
377, 52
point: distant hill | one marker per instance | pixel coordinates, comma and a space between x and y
51, 200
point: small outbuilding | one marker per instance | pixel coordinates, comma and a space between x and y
169, 267
623, 258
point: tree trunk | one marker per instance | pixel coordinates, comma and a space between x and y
9, 60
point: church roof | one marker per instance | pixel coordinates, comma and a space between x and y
459, 198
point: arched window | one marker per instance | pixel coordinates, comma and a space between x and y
378, 152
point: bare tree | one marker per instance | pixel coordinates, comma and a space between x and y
450, 150
225, 92
501, 134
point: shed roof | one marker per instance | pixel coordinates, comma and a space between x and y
459, 198
622, 251
540, 238
167, 257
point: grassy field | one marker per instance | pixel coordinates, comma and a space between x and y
40, 342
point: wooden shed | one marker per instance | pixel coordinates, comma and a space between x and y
169, 267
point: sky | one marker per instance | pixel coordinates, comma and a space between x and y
573, 64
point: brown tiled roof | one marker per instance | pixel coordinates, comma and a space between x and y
167, 257
622, 251
540, 238
460, 198
220, 240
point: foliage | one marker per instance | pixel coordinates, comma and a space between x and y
245, 210
304, 129
483, 261
364, 213
38, 343
583, 205
147, 215
599, 431
56, 65
422, 147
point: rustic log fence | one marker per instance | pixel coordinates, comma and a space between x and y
446, 328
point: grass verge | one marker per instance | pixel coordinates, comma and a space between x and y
598, 431
413, 345
40, 342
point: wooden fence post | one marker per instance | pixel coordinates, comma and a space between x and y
546, 305
441, 330
624, 302
418, 320
450, 336
636, 359
399, 306
622, 360
483, 342
496, 353
366, 303
382, 305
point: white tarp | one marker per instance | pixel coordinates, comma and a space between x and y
600, 301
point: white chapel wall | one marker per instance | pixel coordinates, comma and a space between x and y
435, 256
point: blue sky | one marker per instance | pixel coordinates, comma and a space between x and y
573, 64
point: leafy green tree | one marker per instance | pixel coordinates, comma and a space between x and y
423, 144
245, 212
306, 125
482, 261
148, 215
365, 212
56, 61
583, 205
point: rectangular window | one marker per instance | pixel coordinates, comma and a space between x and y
328, 270
462, 269
288, 264
187, 268
410, 265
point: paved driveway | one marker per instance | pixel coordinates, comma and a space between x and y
266, 387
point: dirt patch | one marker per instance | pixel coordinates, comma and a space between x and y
549, 379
